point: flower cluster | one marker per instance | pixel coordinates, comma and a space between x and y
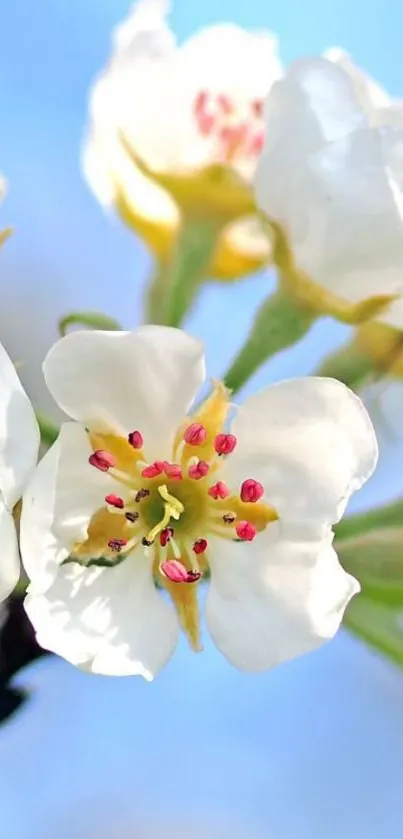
156, 504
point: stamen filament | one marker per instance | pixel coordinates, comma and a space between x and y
121, 478
175, 549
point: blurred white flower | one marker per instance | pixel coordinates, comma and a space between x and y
3, 187
133, 493
190, 116
19, 443
330, 179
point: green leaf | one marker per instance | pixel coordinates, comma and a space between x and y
279, 324
376, 560
95, 320
389, 515
379, 625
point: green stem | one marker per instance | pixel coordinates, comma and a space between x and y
49, 432
191, 261
95, 320
279, 324
349, 364
389, 515
156, 296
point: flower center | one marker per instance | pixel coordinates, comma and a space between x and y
237, 131
169, 511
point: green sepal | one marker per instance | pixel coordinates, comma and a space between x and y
279, 323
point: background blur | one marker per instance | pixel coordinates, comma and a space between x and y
313, 750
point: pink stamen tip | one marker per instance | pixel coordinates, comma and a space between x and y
195, 434
225, 443
199, 546
178, 573
198, 470
102, 460
218, 490
251, 490
115, 501
257, 107
156, 468
173, 471
200, 102
206, 123
225, 103
166, 536
117, 544
135, 439
256, 144
245, 531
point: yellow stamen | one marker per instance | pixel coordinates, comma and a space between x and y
172, 510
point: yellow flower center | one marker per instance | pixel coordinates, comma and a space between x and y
170, 510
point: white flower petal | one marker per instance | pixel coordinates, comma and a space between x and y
109, 171
394, 315
145, 31
143, 380
58, 504
106, 620
250, 67
19, 433
276, 598
329, 176
370, 93
247, 237
10, 558
311, 444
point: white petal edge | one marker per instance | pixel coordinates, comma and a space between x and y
275, 599
144, 380
110, 621
311, 443
19, 433
58, 504
10, 558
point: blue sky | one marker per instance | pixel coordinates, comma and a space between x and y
336, 711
